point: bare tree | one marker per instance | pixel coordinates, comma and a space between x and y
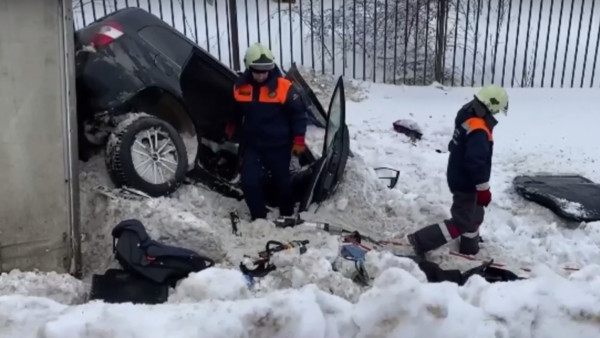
408, 41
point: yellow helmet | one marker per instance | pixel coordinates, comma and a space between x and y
259, 57
494, 98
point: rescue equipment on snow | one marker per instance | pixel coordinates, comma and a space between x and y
491, 273
501, 265
392, 177
489, 269
330, 228
434, 273
235, 220
263, 262
353, 250
286, 221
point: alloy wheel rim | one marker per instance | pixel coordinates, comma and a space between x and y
154, 156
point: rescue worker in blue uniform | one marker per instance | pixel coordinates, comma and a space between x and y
468, 174
272, 119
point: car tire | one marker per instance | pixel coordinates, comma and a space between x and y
136, 159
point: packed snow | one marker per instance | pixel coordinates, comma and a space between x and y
572, 208
313, 294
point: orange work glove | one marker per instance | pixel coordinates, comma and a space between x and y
229, 130
299, 145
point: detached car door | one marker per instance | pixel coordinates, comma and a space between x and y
329, 168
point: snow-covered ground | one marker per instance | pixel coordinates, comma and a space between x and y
305, 297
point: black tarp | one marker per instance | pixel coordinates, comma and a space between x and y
572, 197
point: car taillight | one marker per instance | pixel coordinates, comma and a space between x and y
108, 33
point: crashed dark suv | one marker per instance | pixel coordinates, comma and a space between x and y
158, 104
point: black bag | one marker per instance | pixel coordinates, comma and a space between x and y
158, 262
436, 274
119, 286
490, 273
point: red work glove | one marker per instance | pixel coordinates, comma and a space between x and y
299, 145
484, 197
229, 130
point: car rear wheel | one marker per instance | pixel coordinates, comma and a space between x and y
147, 154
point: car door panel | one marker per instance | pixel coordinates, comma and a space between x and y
317, 112
336, 146
317, 168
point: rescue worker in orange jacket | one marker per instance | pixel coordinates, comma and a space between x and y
272, 119
468, 174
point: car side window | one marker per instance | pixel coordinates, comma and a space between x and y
167, 42
335, 116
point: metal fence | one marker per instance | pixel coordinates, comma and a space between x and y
516, 43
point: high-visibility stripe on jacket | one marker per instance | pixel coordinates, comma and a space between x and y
244, 93
272, 113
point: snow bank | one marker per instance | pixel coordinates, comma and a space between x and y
61, 288
218, 284
173, 221
398, 305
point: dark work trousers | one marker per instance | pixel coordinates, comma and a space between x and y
277, 161
466, 218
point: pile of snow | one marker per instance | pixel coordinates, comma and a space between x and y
323, 85
214, 303
173, 220
313, 294
573, 208
61, 288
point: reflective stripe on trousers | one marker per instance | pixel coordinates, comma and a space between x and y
464, 223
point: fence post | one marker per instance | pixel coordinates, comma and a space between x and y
440, 39
235, 42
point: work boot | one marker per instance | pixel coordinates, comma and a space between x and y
415, 245
286, 221
469, 245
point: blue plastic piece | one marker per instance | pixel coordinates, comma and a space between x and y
354, 251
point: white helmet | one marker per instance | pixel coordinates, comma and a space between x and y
494, 98
259, 57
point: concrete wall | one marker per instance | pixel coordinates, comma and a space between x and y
39, 213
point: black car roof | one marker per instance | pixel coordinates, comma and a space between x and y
131, 18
